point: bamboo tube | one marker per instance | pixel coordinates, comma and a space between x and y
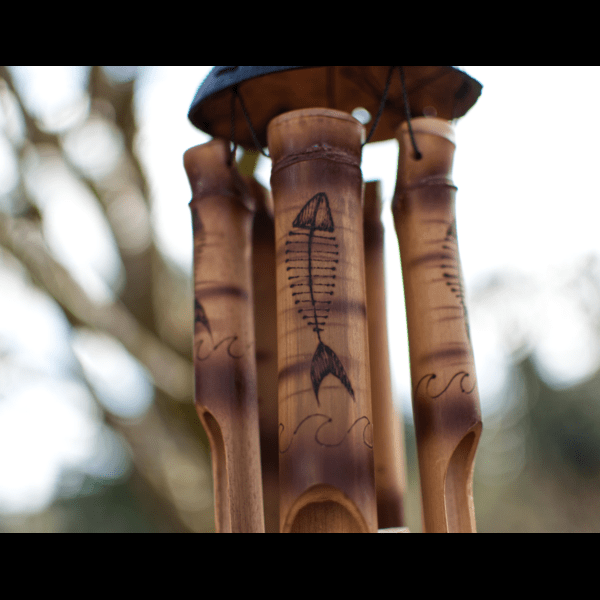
325, 442
224, 348
445, 397
390, 470
265, 329
265, 320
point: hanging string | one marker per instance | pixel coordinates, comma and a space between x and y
381, 105
233, 149
254, 136
418, 155
236, 95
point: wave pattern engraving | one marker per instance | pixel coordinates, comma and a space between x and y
320, 432
201, 321
460, 377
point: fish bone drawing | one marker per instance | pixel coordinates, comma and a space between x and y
452, 273
312, 256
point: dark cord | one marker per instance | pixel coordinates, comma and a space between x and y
236, 94
254, 136
234, 148
418, 155
381, 105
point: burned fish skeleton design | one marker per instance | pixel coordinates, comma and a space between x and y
452, 272
312, 256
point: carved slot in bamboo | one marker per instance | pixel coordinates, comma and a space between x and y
325, 437
444, 387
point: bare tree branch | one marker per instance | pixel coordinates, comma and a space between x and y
171, 372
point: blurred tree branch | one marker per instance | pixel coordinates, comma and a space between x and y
172, 373
168, 444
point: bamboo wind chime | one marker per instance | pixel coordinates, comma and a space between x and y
290, 337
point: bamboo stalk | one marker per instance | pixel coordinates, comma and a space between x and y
325, 442
445, 396
265, 319
222, 209
390, 470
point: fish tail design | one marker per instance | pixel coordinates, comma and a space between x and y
200, 316
325, 362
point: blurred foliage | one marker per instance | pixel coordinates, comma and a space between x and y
170, 485
538, 466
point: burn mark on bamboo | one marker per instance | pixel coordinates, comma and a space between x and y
435, 424
197, 226
433, 258
201, 321
312, 256
450, 355
222, 290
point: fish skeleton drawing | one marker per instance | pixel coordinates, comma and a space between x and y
453, 275
312, 256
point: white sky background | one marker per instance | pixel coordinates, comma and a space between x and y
527, 206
